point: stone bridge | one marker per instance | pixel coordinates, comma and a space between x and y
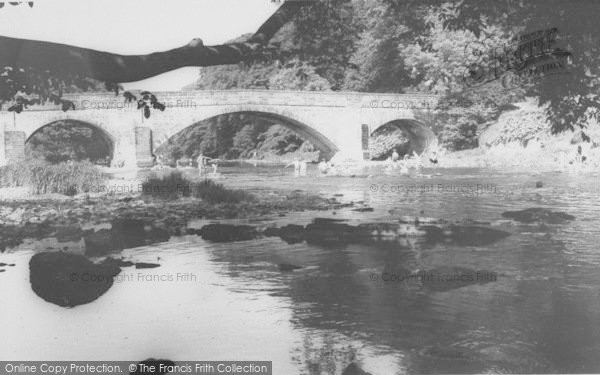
338, 123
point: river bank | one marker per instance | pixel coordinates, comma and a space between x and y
25, 216
522, 139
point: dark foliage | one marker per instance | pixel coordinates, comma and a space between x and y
70, 140
174, 185
44, 178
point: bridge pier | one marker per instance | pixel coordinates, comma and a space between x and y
350, 139
365, 135
143, 147
12, 144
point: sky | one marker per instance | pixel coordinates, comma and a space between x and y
137, 27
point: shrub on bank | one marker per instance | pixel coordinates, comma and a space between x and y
167, 186
42, 177
212, 192
174, 185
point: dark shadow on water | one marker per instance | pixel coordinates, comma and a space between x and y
536, 214
69, 280
125, 233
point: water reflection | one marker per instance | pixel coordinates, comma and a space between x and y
539, 315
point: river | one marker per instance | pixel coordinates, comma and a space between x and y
230, 301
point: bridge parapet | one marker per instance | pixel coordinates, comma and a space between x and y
334, 121
201, 98
399, 101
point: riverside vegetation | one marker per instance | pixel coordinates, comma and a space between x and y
60, 203
42, 177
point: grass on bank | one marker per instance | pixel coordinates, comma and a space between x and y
42, 177
74, 178
174, 185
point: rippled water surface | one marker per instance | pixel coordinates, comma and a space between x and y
230, 300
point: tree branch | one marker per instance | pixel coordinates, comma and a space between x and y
63, 59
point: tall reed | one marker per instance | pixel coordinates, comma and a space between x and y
42, 177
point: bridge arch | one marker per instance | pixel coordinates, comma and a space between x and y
421, 137
102, 138
336, 122
289, 120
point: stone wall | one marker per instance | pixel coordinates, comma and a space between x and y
14, 145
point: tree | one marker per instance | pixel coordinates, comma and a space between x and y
405, 44
245, 140
297, 75
45, 69
324, 36
69, 140
572, 97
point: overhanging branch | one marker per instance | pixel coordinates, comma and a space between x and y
108, 67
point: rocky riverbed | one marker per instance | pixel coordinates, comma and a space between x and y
66, 218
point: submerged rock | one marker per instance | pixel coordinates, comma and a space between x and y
228, 232
286, 267
354, 369
137, 232
417, 220
337, 232
468, 235
392, 231
538, 214
363, 209
146, 265
118, 262
68, 233
330, 232
69, 280
13, 235
100, 242
290, 233
125, 233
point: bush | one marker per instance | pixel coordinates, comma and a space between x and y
168, 186
212, 192
44, 178
460, 134
174, 185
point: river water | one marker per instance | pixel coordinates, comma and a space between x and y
230, 301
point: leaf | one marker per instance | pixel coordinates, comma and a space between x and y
55, 99
67, 104
129, 97
18, 108
147, 112
159, 106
